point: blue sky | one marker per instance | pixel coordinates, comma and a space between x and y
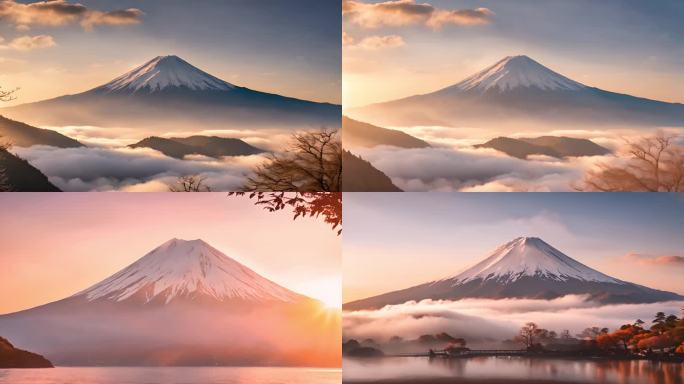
392, 241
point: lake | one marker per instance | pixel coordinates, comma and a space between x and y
514, 369
179, 375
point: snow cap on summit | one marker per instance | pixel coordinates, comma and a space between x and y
163, 72
188, 268
517, 71
531, 256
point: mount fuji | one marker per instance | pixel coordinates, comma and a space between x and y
526, 267
168, 92
183, 303
518, 91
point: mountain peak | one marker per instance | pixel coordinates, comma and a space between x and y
165, 72
531, 256
516, 71
187, 269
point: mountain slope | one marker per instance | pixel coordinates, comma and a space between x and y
20, 176
545, 145
211, 146
525, 267
24, 135
11, 357
519, 92
360, 176
183, 303
169, 93
358, 134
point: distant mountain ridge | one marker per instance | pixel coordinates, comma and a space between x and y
169, 93
545, 145
211, 146
517, 92
526, 267
359, 134
24, 135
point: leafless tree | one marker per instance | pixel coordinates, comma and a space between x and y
4, 146
190, 183
312, 163
652, 164
527, 334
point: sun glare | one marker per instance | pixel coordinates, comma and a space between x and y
326, 289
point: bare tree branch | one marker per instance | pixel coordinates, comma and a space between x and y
652, 164
312, 163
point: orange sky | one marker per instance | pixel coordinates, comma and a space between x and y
54, 245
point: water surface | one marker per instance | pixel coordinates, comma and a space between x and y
516, 369
176, 375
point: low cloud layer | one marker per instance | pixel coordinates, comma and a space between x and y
446, 169
408, 12
495, 319
62, 12
140, 169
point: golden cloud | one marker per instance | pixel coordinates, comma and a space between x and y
407, 12
374, 42
61, 12
25, 43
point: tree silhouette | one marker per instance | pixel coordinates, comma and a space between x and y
190, 183
312, 163
4, 146
652, 164
302, 204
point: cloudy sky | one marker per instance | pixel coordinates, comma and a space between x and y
63, 46
54, 245
393, 241
399, 48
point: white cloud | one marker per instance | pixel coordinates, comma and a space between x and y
497, 319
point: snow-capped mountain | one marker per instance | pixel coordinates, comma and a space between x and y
164, 72
180, 269
526, 267
169, 93
530, 256
183, 303
517, 91
516, 71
